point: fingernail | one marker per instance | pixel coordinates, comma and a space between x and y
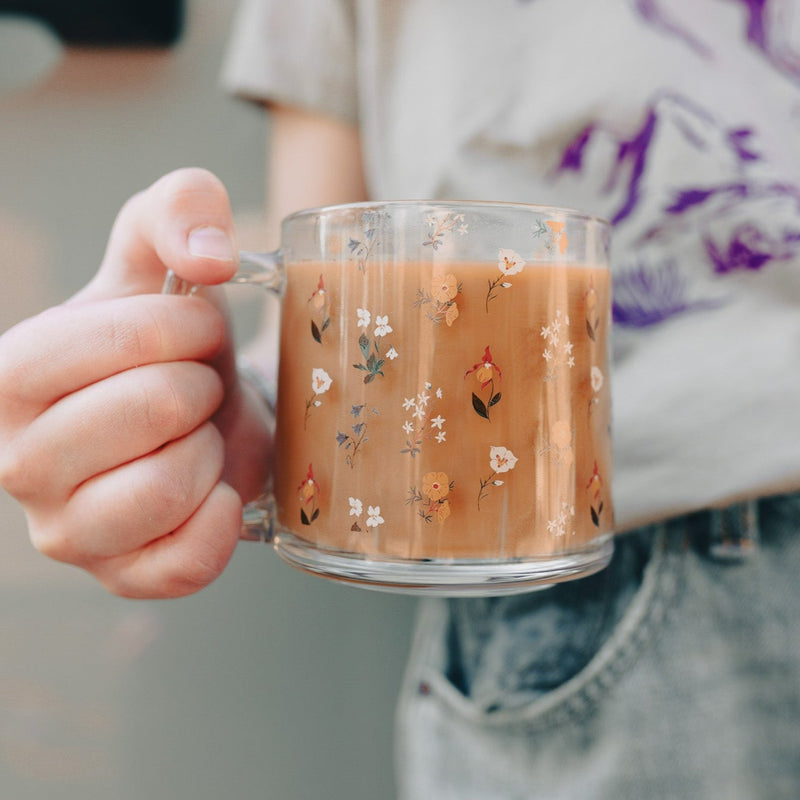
210, 242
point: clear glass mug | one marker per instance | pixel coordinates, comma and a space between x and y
443, 408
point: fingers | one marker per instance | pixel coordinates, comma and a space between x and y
182, 562
109, 423
182, 222
125, 508
71, 347
161, 526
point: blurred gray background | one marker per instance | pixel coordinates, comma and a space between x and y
268, 684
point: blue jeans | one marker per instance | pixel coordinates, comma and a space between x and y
674, 673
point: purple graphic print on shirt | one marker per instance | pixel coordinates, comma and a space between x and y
727, 218
651, 12
765, 23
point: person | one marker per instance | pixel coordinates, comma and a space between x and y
675, 672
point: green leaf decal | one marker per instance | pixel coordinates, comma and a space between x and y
479, 407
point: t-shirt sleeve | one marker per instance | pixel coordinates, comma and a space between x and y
295, 52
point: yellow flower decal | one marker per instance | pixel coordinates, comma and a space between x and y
442, 298
436, 485
444, 289
434, 496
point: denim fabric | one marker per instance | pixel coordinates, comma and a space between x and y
675, 673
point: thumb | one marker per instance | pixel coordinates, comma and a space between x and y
182, 222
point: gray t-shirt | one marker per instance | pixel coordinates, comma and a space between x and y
678, 122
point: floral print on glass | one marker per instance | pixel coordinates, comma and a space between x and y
361, 249
441, 224
441, 298
421, 424
320, 383
352, 442
509, 263
501, 460
595, 491
374, 358
308, 494
485, 371
433, 497
320, 310
558, 347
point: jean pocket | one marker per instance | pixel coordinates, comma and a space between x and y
539, 658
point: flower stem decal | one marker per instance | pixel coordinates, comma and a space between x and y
444, 289
320, 383
371, 350
308, 494
509, 263
422, 425
438, 226
485, 371
352, 441
321, 311
434, 496
501, 460
361, 249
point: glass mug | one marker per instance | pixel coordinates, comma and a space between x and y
443, 403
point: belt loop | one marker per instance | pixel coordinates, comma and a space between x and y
734, 532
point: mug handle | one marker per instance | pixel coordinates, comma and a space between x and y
255, 269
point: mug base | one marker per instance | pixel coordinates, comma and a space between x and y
442, 577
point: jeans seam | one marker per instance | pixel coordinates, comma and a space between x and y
579, 695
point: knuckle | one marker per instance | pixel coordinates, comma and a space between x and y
57, 543
192, 185
160, 406
168, 495
20, 472
174, 399
205, 565
136, 339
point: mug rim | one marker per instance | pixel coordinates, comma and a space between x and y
450, 205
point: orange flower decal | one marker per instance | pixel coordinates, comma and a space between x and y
434, 497
442, 296
436, 485
485, 371
594, 487
308, 493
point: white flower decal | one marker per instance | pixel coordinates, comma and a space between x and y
356, 506
501, 459
382, 327
374, 518
320, 380
320, 383
509, 262
364, 317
